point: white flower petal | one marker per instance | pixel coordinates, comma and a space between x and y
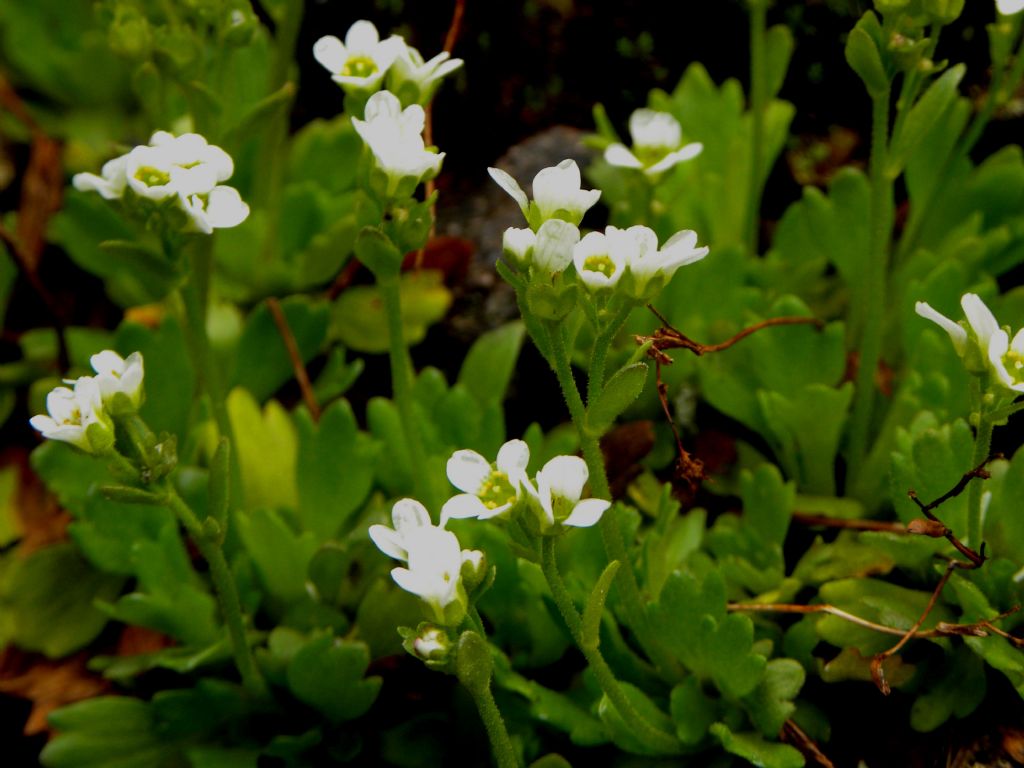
511, 186
361, 37
957, 333
556, 240
462, 507
408, 516
586, 513
618, 154
225, 208
1009, 7
674, 158
513, 457
388, 541
565, 476
652, 129
982, 321
467, 470
999, 345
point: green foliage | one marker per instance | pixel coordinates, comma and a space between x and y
327, 673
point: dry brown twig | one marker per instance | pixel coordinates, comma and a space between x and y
688, 468
301, 376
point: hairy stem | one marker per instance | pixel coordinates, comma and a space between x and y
611, 533
758, 103
402, 387
226, 591
591, 652
599, 358
497, 733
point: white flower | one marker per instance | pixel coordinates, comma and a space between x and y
556, 240
600, 260
117, 374
488, 490
433, 557
432, 644
358, 64
649, 266
657, 144
557, 194
110, 185
1009, 7
221, 208
184, 165
73, 412
184, 168
394, 137
1007, 359
559, 487
410, 72
972, 341
518, 244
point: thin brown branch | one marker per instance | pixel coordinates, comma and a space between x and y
793, 734
842, 522
295, 356
877, 673
941, 629
455, 27
976, 558
668, 337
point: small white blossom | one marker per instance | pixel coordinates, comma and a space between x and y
1007, 359
186, 169
72, 412
600, 259
433, 558
110, 185
652, 268
360, 63
559, 488
410, 72
432, 644
972, 341
557, 194
488, 490
117, 374
657, 144
1009, 7
395, 137
518, 244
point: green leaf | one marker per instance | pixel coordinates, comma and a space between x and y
693, 711
83, 224
177, 659
771, 703
930, 108
728, 651
847, 556
618, 394
334, 469
489, 364
280, 554
957, 689
266, 444
318, 139
996, 651
262, 362
46, 600
169, 597
625, 736
755, 750
394, 467
767, 503
779, 45
9, 525
863, 54
107, 732
327, 674
358, 319
594, 608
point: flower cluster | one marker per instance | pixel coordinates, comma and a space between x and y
553, 499
394, 135
80, 415
985, 347
359, 65
657, 144
625, 258
436, 566
437, 569
184, 169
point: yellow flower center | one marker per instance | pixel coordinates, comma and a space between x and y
359, 66
602, 264
74, 418
1014, 362
496, 490
152, 177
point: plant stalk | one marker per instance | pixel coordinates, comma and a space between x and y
497, 733
758, 104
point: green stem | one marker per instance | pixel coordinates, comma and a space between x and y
758, 103
402, 387
226, 591
611, 533
982, 448
875, 284
599, 358
648, 733
501, 744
